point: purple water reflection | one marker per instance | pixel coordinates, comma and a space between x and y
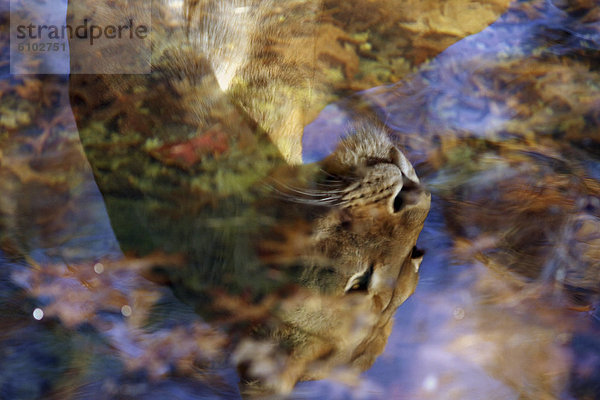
446, 95
421, 360
437, 346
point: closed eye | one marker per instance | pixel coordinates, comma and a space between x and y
371, 161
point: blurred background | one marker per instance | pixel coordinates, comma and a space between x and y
502, 123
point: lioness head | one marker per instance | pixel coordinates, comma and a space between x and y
350, 235
311, 260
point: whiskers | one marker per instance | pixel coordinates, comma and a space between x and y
330, 193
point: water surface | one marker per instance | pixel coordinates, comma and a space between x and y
503, 128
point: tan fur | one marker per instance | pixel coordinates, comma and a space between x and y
364, 231
354, 223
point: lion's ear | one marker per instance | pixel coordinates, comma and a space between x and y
416, 257
416, 263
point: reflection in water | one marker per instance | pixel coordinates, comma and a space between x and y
301, 267
507, 129
502, 128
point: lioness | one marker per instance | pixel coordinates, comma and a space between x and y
200, 158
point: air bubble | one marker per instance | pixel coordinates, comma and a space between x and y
126, 311
38, 314
98, 268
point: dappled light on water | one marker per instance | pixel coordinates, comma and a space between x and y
159, 240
